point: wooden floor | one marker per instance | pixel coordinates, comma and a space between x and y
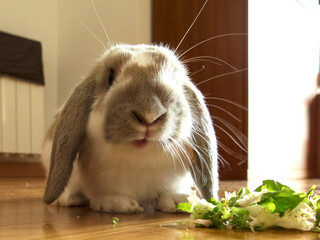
23, 215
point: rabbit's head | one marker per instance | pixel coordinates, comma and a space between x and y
143, 95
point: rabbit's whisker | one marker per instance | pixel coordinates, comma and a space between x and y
167, 150
190, 26
178, 150
222, 109
222, 75
224, 162
200, 70
199, 147
232, 138
203, 60
102, 25
233, 153
241, 137
171, 151
200, 134
245, 159
200, 152
187, 155
210, 57
228, 101
189, 144
85, 26
211, 38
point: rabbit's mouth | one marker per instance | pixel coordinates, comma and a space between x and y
140, 143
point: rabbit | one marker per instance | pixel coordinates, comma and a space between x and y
135, 131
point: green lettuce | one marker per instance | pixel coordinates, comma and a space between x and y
272, 204
115, 220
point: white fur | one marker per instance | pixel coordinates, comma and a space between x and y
142, 60
122, 177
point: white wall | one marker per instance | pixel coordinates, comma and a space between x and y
127, 21
68, 48
37, 20
283, 65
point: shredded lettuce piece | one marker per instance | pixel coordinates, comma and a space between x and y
272, 204
115, 220
302, 217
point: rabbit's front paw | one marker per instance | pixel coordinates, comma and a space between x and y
168, 202
115, 203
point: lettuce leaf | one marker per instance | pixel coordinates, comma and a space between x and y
242, 192
272, 186
185, 207
281, 201
279, 198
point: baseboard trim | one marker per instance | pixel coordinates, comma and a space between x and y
21, 165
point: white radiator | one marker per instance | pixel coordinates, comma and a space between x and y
21, 116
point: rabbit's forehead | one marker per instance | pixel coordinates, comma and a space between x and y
144, 55
143, 61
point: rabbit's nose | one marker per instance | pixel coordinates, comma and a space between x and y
149, 118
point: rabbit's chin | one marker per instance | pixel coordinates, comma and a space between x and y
140, 143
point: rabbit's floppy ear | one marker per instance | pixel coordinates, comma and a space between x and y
205, 162
70, 128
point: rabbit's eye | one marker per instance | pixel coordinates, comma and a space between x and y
111, 77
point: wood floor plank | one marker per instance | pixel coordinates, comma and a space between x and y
23, 215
